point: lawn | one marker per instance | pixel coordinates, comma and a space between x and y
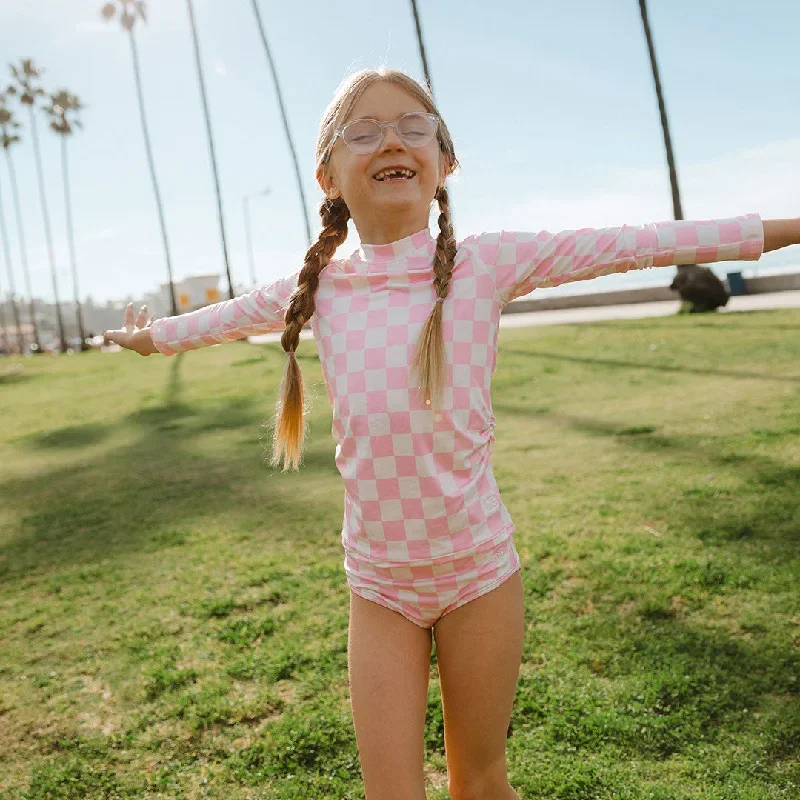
173, 612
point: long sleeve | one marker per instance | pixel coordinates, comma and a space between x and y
522, 262
259, 311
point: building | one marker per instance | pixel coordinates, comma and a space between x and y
191, 293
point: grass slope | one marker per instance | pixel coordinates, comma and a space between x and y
173, 613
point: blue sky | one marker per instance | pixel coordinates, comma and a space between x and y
550, 103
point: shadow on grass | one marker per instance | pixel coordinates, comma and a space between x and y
772, 487
612, 362
685, 686
682, 687
10, 378
114, 502
69, 437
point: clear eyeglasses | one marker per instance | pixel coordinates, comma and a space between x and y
362, 136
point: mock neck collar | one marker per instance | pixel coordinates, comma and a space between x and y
415, 244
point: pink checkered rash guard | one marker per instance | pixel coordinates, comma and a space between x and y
419, 486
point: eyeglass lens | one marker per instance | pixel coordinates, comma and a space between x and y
365, 135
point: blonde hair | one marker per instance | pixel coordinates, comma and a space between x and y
429, 358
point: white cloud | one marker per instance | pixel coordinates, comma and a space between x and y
762, 180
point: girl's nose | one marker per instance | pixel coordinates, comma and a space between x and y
391, 139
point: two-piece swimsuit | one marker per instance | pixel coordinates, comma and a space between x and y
425, 529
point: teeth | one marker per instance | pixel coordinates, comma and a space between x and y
394, 173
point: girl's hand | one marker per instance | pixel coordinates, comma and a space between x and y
134, 335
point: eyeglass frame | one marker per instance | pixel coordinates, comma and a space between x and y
383, 125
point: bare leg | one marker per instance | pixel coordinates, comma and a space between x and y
389, 664
479, 649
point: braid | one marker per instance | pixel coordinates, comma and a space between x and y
429, 356
290, 422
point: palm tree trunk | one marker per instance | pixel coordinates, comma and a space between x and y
421, 45
673, 176
71, 242
249, 236
151, 164
6, 348
23, 252
47, 232
14, 306
284, 118
212, 152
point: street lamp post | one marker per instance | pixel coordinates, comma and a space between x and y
246, 203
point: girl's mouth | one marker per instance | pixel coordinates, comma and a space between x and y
394, 174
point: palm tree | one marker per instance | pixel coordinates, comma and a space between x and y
697, 285
8, 137
5, 345
673, 176
212, 152
14, 306
282, 107
129, 12
62, 106
426, 70
26, 76
421, 45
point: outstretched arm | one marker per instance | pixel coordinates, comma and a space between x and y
259, 311
523, 261
134, 334
781, 233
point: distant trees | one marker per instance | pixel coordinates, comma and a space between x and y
63, 113
8, 137
25, 86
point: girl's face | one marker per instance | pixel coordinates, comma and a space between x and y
352, 175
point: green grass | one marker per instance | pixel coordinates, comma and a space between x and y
173, 613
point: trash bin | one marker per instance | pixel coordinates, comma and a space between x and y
736, 284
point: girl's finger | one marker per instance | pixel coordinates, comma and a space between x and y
128, 320
142, 317
150, 321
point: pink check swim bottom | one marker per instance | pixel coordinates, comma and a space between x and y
424, 594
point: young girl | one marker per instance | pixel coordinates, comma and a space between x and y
406, 330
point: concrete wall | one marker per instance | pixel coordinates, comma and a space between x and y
650, 294
773, 283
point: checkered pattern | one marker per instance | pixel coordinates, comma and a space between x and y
522, 262
424, 594
420, 497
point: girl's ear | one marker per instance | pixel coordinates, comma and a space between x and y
327, 184
444, 168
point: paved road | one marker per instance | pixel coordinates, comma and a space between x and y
750, 302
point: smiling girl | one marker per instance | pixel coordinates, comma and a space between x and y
406, 330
